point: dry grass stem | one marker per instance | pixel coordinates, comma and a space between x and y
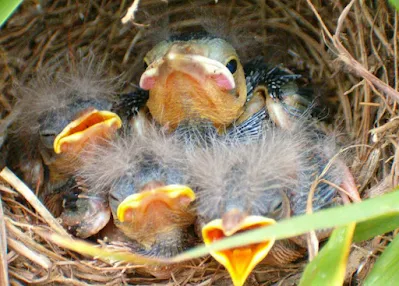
35, 257
3, 249
8, 176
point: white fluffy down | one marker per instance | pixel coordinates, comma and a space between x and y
222, 169
230, 171
105, 164
50, 91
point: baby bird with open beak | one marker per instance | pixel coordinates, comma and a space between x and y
201, 78
59, 116
246, 184
144, 177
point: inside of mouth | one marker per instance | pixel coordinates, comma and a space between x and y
91, 120
160, 212
216, 234
140, 214
95, 124
241, 253
240, 261
160, 200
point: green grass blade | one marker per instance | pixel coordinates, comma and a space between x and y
380, 225
338, 216
7, 7
385, 270
328, 268
395, 3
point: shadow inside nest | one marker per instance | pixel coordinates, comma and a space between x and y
349, 59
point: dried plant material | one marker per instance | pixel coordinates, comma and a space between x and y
18, 185
32, 244
3, 248
35, 257
131, 12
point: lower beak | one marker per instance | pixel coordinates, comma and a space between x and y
239, 261
175, 197
92, 124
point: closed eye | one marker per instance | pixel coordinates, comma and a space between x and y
47, 138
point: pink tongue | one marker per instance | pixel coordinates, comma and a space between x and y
223, 82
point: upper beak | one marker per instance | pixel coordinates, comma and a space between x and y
173, 196
94, 123
197, 67
239, 261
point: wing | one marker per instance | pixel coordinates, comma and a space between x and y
281, 89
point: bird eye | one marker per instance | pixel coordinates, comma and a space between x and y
277, 210
47, 139
232, 66
278, 207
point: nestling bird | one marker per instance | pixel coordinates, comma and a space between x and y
144, 177
59, 116
202, 79
246, 184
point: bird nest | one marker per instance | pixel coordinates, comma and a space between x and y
346, 49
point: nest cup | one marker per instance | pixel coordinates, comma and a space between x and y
347, 50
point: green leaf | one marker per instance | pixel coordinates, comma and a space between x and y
328, 268
380, 225
395, 3
385, 270
7, 7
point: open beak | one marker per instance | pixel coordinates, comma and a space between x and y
88, 126
239, 261
198, 67
174, 197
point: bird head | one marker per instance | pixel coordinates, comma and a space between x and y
144, 174
199, 78
243, 185
64, 111
68, 129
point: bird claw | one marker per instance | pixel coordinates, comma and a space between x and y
70, 199
85, 216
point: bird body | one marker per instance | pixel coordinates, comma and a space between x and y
242, 184
60, 115
143, 176
201, 78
